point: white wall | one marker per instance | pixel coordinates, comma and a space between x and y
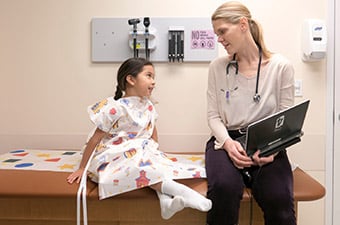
47, 79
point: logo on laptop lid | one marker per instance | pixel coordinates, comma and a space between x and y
279, 122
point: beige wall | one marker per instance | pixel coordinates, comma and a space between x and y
47, 79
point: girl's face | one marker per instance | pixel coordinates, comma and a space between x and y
228, 34
144, 83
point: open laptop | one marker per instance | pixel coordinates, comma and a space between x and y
275, 132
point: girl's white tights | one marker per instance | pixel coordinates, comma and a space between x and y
180, 193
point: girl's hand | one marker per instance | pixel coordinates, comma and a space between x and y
75, 176
260, 161
237, 154
90, 147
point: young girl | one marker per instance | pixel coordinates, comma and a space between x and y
125, 143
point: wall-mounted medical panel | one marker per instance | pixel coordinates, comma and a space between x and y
169, 39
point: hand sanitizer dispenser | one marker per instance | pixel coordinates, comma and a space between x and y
314, 40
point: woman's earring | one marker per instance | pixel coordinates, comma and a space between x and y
243, 28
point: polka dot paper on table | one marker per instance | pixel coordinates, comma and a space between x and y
48, 160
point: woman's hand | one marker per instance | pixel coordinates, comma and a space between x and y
260, 161
237, 154
75, 176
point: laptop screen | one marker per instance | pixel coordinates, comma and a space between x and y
276, 131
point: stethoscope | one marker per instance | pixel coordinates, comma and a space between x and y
257, 96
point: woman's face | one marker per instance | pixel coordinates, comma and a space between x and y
228, 34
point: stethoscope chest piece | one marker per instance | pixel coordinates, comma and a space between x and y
257, 97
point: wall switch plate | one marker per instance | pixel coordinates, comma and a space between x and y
298, 88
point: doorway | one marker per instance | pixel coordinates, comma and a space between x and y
333, 116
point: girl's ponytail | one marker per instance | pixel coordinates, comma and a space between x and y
118, 93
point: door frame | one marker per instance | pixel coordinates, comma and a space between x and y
331, 217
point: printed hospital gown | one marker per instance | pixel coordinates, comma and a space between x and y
127, 158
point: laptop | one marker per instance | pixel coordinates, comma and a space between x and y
275, 132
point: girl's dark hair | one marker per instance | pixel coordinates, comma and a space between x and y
133, 67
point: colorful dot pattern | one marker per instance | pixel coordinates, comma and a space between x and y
48, 160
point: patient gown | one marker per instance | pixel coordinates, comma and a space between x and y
127, 158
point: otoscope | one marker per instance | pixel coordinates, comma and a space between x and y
147, 24
134, 23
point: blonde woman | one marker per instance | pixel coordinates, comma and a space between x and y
247, 84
